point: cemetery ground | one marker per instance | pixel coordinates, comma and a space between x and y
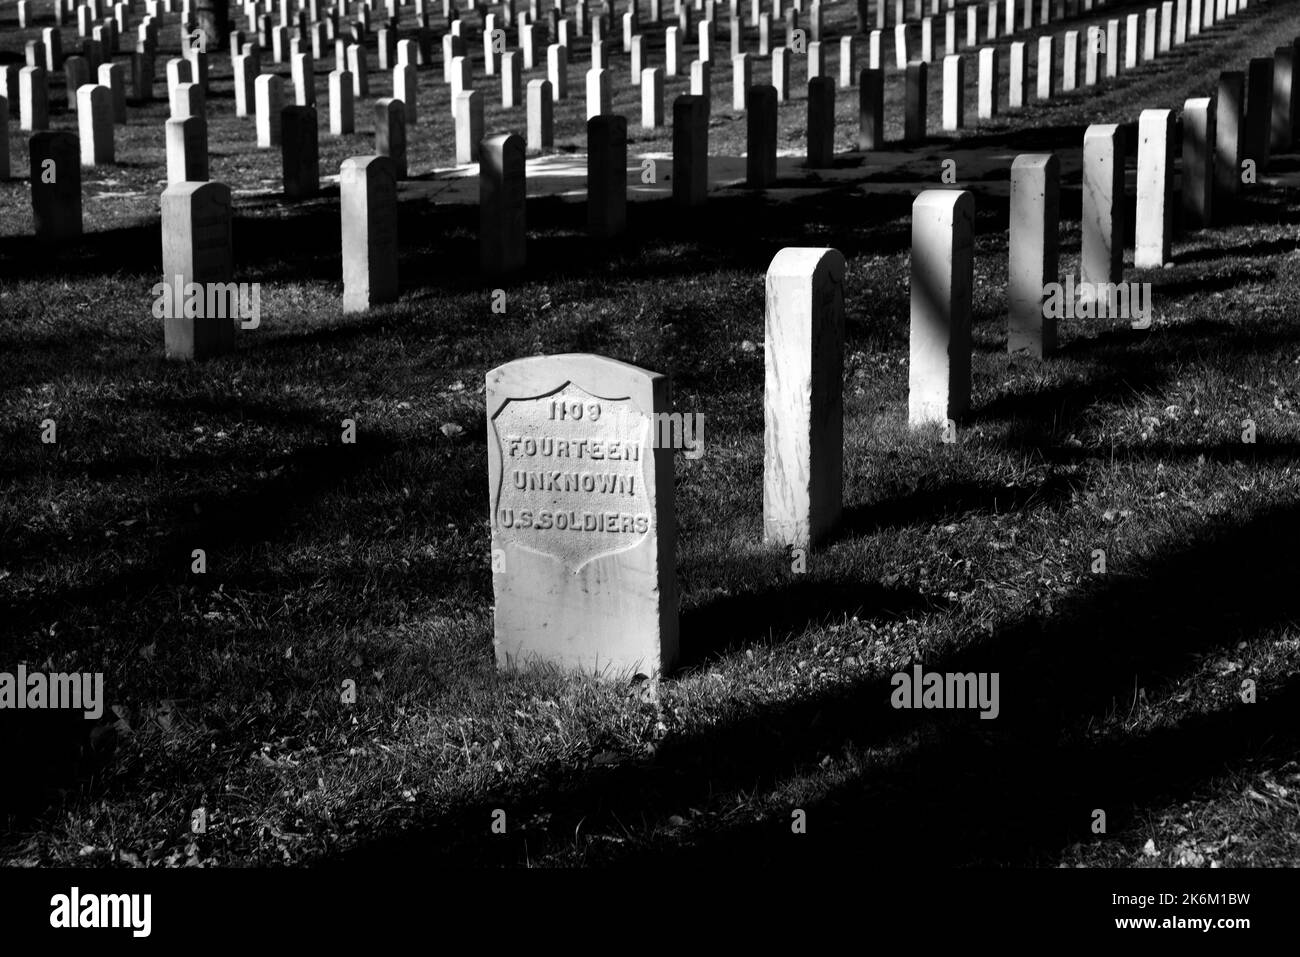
369, 562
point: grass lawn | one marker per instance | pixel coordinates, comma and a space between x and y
370, 561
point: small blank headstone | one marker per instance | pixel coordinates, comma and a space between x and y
938, 380
300, 151
1199, 137
1153, 233
606, 176
270, 101
871, 109
1229, 110
95, 124
954, 91
1259, 110
1101, 259
598, 101
690, 150
187, 149
988, 83
821, 123
803, 406
541, 116
502, 199
406, 88
196, 248
1284, 99
33, 99
761, 133
914, 109
557, 70
342, 112
469, 126
1033, 252
112, 77
55, 166
368, 207
652, 98
390, 133
1046, 68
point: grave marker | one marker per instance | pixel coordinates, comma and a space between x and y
368, 206
938, 380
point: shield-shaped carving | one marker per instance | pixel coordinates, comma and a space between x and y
574, 474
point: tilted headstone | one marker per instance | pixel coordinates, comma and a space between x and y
803, 405
583, 539
939, 356
368, 207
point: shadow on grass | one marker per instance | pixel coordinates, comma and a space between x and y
943, 788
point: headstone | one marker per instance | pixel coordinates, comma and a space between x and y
197, 248
557, 69
112, 77
76, 72
915, 107
848, 62
304, 79
502, 192
1131, 42
1149, 30
781, 73
988, 77
584, 560
357, 67
742, 78
1153, 232
1102, 256
1259, 110
1285, 99
187, 149
690, 150
244, 68
541, 106
606, 176
954, 91
598, 98
1033, 247
300, 151
9, 86
938, 379
803, 404
368, 206
510, 80
821, 123
469, 126
871, 109
270, 101
95, 124
341, 103
55, 184
702, 80
34, 103
1046, 70
1198, 161
390, 133
1016, 79
187, 100
1070, 62
1092, 54
651, 98
761, 135
1229, 110
406, 88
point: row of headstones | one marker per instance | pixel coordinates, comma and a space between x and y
584, 574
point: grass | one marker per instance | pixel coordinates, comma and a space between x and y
369, 562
